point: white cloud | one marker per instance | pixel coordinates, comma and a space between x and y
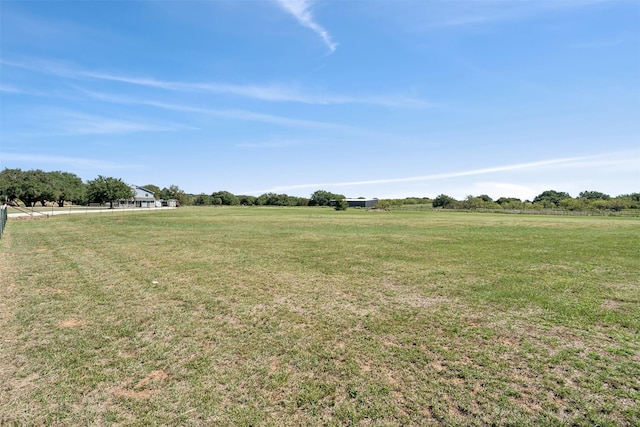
541, 175
53, 162
300, 10
10, 89
268, 92
482, 12
53, 121
233, 114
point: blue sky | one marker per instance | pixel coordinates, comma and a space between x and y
364, 98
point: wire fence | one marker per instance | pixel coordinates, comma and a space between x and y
20, 212
3, 219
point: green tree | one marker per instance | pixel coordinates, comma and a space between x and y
226, 198
473, 202
619, 203
550, 198
202, 200
174, 192
68, 187
48, 189
340, 204
156, 190
10, 180
32, 187
444, 201
323, 198
505, 200
247, 200
385, 204
594, 195
108, 189
571, 204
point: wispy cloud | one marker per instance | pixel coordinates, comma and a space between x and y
468, 13
300, 9
275, 143
270, 92
53, 162
85, 124
68, 122
630, 159
597, 44
234, 114
10, 89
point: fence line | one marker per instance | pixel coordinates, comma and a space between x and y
3, 218
51, 211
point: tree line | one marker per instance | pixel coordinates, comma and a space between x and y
36, 186
549, 199
225, 198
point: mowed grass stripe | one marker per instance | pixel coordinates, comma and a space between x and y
307, 316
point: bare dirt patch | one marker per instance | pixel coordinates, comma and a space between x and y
70, 323
148, 386
438, 366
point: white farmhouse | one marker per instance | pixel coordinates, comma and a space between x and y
143, 198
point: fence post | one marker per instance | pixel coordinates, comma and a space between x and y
3, 218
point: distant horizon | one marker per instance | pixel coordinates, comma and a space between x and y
366, 99
348, 196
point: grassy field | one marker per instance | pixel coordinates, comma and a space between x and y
308, 316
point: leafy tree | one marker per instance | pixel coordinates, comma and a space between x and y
444, 201
202, 200
226, 198
473, 202
174, 192
278, 200
634, 198
594, 195
273, 199
340, 204
247, 200
571, 204
156, 190
68, 187
302, 201
385, 204
323, 198
33, 187
10, 181
510, 203
38, 186
505, 200
108, 189
550, 198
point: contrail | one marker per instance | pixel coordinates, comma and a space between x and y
300, 10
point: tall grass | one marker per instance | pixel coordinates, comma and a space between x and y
308, 316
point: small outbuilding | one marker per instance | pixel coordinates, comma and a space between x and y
362, 203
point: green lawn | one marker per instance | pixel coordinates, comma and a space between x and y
308, 316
